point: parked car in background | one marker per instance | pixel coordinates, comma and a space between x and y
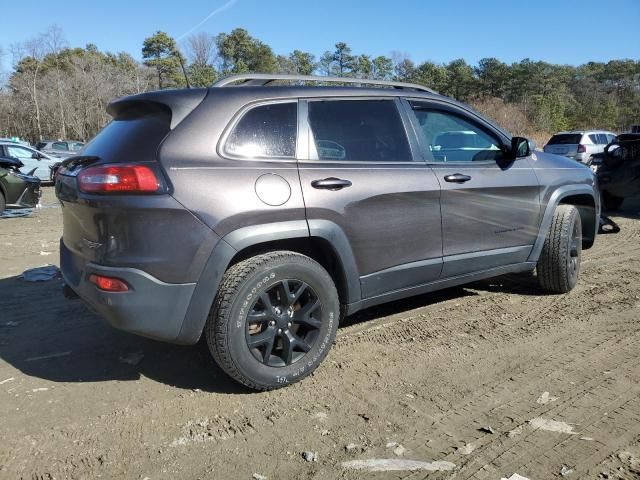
635, 128
31, 158
295, 205
60, 148
17, 189
618, 170
579, 145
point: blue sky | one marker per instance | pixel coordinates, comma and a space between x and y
560, 31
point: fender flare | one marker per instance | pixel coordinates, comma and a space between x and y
554, 201
244, 237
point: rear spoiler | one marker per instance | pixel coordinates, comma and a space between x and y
179, 103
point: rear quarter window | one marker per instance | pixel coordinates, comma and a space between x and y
265, 131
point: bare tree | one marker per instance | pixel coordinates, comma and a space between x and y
201, 49
28, 59
55, 42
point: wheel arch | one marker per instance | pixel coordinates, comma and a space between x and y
585, 199
320, 240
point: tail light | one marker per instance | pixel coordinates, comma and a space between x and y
582, 149
108, 284
119, 179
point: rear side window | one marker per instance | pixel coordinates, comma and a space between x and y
602, 139
565, 139
594, 138
358, 131
59, 146
266, 131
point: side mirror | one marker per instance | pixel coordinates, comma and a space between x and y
520, 147
36, 155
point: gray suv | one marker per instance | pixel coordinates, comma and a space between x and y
261, 211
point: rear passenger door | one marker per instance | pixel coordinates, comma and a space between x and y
490, 211
359, 176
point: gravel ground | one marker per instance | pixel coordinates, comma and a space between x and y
479, 382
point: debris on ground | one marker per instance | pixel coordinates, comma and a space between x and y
351, 448
7, 380
552, 426
15, 213
515, 476
487, 429
257, 476
564, 471
310, 456
399, 450
515, 432
41, 274
467, 449
133, 358
398, 465
545, 398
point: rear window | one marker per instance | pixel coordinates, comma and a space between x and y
133, 136
565, 139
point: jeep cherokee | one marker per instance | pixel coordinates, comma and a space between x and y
262, 210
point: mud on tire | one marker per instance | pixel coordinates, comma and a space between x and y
273, 320
559, 265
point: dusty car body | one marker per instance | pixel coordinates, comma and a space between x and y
17, 190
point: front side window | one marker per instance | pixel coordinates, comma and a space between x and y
358, 131
19, 152
59, 146
265, 131
452, 138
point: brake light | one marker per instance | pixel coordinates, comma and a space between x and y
118, 178
108, 284
582, 148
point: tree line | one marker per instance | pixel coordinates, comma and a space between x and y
55, 91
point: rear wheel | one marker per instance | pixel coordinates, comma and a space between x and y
559, 264
611, 202
273, 320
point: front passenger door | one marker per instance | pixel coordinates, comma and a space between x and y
490, 211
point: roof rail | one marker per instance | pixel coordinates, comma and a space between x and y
262, 79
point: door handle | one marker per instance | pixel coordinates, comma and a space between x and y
457, 178
331, 183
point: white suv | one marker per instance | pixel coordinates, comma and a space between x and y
579, 145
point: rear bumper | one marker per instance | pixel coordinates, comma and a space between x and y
150, 308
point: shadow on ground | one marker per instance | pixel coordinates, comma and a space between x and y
46, 336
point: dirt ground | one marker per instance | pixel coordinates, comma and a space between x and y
481, 382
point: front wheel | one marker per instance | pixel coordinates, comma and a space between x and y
274, 319
559, 264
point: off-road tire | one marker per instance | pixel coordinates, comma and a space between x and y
227, 325
558, 267
611, 202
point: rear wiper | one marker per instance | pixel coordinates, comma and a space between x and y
72, 163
